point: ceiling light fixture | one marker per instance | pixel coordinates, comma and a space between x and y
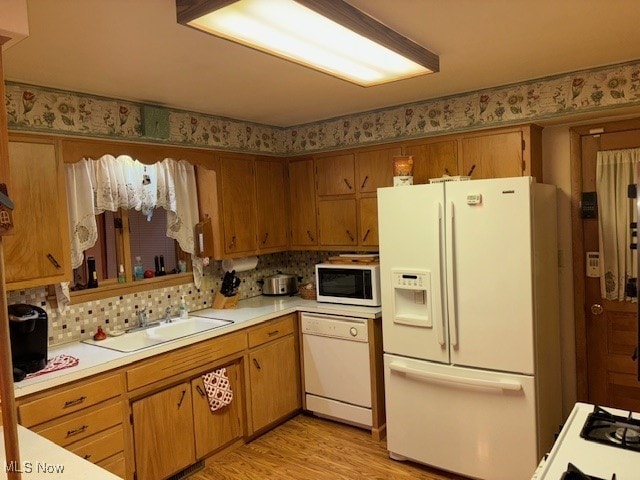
330, 36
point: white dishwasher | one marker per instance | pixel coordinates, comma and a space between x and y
337, 374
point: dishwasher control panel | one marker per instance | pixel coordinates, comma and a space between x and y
335, 326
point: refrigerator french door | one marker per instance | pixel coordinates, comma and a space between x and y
468, 270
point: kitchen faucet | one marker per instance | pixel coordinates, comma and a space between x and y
167, 315
142, 317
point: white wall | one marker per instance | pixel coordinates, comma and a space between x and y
556, 167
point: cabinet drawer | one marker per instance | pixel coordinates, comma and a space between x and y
100, 447
184, 360
68, 401
272, 330
83, 426
115, 465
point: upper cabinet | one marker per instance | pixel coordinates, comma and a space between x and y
511, 152
433, 159
238, 204
271, 203
375, 168
302, 203
38, 251
335, 174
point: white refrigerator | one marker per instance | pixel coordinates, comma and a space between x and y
470, 324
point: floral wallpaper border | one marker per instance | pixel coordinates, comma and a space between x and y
49, 110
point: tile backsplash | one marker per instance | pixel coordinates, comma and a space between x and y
80, 321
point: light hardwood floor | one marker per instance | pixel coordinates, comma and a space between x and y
309, 448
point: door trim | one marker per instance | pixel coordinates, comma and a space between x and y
576, 134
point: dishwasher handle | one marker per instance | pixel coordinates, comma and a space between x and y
502, 384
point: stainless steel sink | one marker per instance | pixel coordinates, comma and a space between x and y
154, 335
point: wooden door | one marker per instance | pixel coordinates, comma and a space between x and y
271, 204
213, 430
335, 174
302, 203
275, 381
238, 204
610, 325
494, 155
337, 222
375, 168
433, 160
368, 232
37, 252
163, 433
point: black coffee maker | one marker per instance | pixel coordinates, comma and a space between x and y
28, 329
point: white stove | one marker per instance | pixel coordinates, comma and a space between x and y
610, 451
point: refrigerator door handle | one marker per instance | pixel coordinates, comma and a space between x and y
451, 280
440, 323
502, 384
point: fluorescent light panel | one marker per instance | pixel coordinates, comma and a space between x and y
290, 30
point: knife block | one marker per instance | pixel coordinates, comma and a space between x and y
220, 301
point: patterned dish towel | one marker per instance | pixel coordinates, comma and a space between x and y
218, 388
56, 363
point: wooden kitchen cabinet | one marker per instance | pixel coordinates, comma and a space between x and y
214, 430
302, 203
271, 203
511, 152
38, 252
368, 227
432, 159
274, 371
85, 418
238, 204
163, 432
337, 222
375, 168
335, 174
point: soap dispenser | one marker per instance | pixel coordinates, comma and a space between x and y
183, 308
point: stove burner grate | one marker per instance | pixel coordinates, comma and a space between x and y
615, 430
573, 473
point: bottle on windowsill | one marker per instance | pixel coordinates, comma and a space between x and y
93, 274
121, 276
138, 269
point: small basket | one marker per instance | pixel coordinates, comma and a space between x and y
220, 301
454, 178
307, 293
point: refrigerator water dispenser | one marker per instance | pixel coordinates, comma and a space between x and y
412, 298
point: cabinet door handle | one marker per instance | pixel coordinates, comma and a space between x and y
184, 392
255, 362
87, 456
53, 260
366, 235
202, 394
350, 236
273, 332
72, 403
71, 433
310, 236
348, 184
232, 245
264, 240
366, 179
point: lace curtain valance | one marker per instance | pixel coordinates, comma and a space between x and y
109, 183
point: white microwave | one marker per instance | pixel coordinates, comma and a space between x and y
348, 284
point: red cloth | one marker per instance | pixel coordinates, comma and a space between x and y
218, 388
56, 363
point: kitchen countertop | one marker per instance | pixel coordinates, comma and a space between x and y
43, 459
252, 311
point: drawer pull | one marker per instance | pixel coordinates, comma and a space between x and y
71, 433
348, 184
200, 391
273, 332
184, 392
73, 403
53, 260
255, 362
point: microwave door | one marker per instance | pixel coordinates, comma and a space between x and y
342, 283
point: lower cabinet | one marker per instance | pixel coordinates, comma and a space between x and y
163, 432
274, 371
